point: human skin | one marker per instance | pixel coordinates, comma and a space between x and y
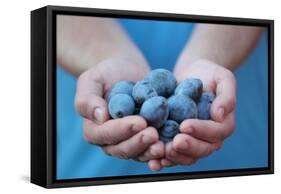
211, 55
100, 53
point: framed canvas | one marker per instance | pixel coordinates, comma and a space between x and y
126, 96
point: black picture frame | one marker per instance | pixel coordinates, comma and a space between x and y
43, 95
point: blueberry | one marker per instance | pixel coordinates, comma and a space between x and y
121, 105
121, 87
207, 96
181, 108
191, 88
169, 130
142, 91
204, 105
155, 111
162, 81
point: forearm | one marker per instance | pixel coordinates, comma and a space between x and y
82, 42
226, 45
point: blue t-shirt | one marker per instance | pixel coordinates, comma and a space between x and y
161, 43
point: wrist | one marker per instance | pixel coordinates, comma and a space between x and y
192, 54
113, 69
184, 67
77, 60
114, 60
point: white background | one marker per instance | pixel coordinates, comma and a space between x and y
15, 95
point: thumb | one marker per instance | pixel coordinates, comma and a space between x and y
225, 100
89, 100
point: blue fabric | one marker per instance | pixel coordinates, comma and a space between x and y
161, 43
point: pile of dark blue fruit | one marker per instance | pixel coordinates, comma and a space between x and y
160, 101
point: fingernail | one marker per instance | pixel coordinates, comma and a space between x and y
136, 128
221, 113
186, 129
98, 115
154, 152
147, 139
189, 130
184, 146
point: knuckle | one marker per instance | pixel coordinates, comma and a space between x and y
178, 148
218, 146
86, 132
230, 129
232, 102
216, 137
121, 154
232, 77
81, 105
186, 126
161, 153
229, 132
170, 155
107, 138
82, 78
179, 141
168, 150
229, 74
87, 138
233, 125
141, 159
157, 153
192, 161
115, 150
208, 151
232, 122
189, 161
152, 132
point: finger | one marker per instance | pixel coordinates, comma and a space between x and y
154, 165
177, 157
208, 130
135, 145
167, 163
225, 100
113, 131
89, 100
218, 145
155, 151
190, 146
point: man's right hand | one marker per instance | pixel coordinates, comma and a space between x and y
128, 137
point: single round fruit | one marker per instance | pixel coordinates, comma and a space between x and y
191, 88
121, 105
121, 87
181, 108
142, 91
168, 131
155, 111
163, 81
204, 105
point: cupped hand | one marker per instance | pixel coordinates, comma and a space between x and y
199, 138
128, 137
